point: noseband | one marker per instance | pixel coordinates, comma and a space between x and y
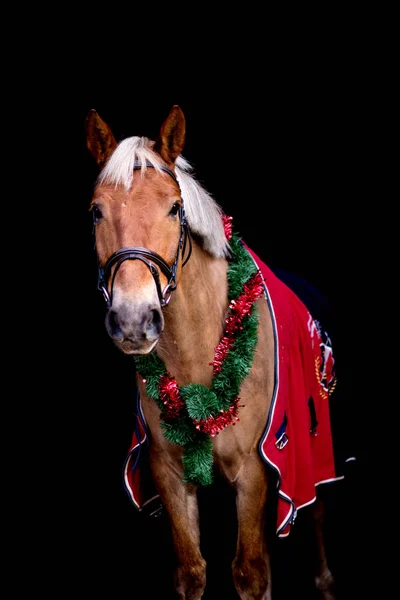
151, 259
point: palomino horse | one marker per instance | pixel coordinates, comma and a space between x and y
234, 374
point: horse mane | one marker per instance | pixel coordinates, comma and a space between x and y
203, 214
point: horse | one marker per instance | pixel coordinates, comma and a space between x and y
225, 383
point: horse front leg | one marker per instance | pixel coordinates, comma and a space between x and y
180, 503
251, 567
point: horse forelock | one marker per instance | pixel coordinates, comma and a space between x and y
204, 215
119, 169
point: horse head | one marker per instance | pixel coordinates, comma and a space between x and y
140, 228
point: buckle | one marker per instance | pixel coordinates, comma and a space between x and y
282, 441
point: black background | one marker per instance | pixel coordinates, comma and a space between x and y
290, 152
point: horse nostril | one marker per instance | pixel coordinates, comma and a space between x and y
113, 325
154, 324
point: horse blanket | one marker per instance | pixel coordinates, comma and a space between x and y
297, 442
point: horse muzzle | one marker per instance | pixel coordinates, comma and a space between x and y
134, 329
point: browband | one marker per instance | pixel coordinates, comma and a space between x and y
138, 165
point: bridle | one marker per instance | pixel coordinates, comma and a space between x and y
151, 259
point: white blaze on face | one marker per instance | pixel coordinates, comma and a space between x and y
143, 295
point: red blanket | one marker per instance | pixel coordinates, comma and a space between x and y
297, 442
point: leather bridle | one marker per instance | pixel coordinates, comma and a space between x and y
151, 259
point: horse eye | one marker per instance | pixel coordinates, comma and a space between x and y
175, 209
97, 215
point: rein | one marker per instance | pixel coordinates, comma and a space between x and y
151, 259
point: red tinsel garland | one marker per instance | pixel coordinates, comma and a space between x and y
239, 308
170, 397
227, 221
213, 425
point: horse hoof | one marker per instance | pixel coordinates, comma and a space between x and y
324, 585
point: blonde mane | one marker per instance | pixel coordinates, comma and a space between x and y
204, 215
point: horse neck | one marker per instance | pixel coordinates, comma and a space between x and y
195, 318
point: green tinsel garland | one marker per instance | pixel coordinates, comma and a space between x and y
201, 402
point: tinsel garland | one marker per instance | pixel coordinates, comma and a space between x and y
193, 414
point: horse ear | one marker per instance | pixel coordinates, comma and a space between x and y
172, 136
99, 138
